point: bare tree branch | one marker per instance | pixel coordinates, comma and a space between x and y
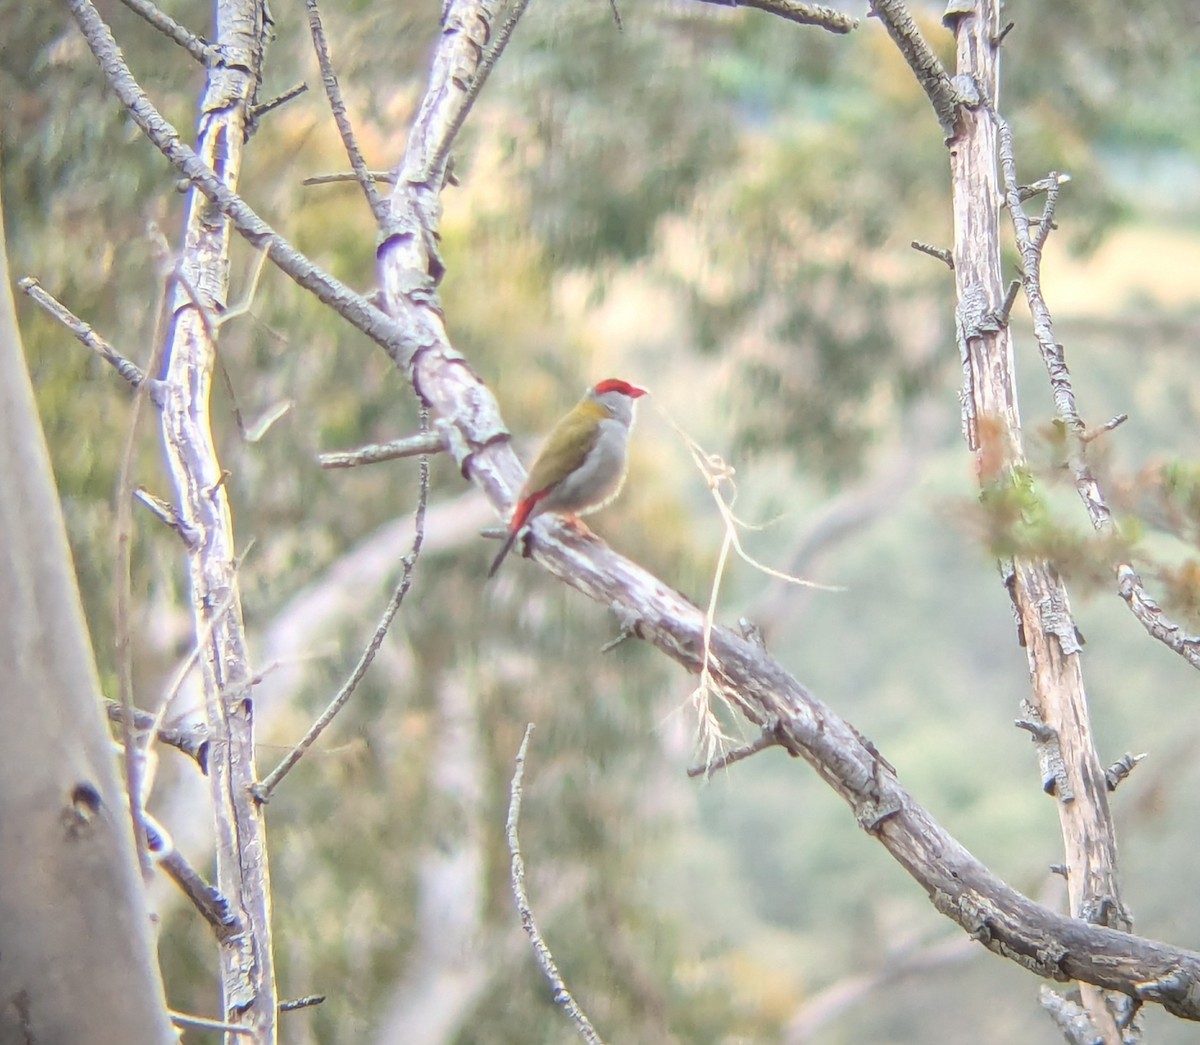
801, 13
1130, 585
213, 907
291, 94
387, 177
930, 72
484, 46
166, 514
940, 253
765, 740
352, 307
545, 959
410, 446
262, 791
182, 1019
337, 106
1071, 1018
192, 740
84, 332
1121, 769
199, 294
307, 1002
199, 49
1152, 618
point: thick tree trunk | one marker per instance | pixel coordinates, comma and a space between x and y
77, 961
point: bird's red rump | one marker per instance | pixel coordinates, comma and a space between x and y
521, 513
615, 384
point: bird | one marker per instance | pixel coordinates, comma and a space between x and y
581, 466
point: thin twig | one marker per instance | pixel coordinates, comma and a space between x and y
207, 899
942, 255
337, 106
196, 46
1052, 352
545, 959
166, 514
1121, 768
1001, 36
1010, 299
84, 332
123, 587
1071, 1018
271, 104
1096, 433
409, 446
192, 741
1037, 188
302, 1003
801, 13
718, 475
387, 177
623, 635
189, 662
765, 740
1152, 618
203, 1023
250, 433
264, 789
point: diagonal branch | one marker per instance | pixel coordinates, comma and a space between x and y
352, 307
84, 333
263, 791
337, 106
203, 52
926, 67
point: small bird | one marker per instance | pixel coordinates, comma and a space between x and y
582, 464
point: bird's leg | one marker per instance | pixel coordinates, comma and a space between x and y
576, 523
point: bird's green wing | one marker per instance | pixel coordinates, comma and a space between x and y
569, 442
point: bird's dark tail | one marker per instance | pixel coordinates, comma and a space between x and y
505, 548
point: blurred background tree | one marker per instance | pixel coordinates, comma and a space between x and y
717, 205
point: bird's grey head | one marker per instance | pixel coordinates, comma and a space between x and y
618, 397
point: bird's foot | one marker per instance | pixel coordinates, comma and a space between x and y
575, 523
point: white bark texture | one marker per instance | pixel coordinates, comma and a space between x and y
77, 962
